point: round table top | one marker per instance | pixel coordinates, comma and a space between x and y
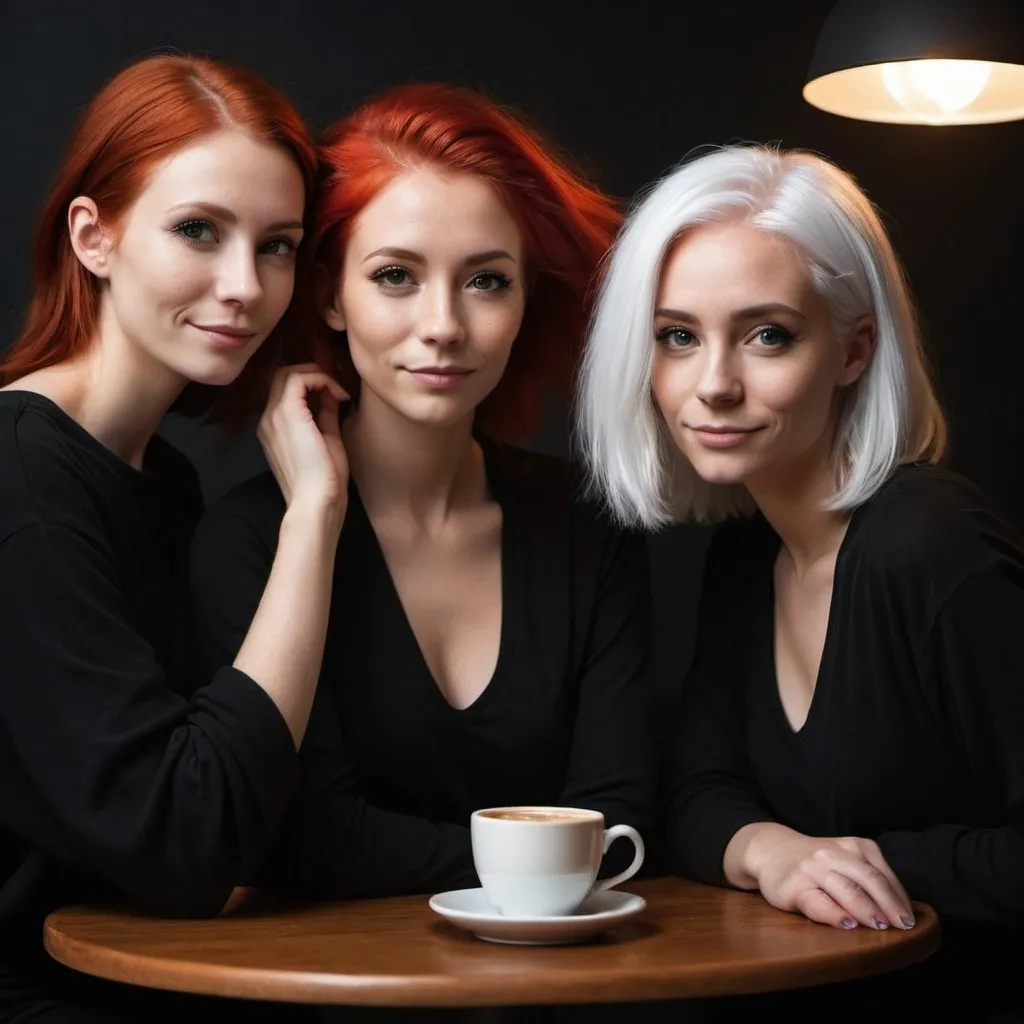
691, 941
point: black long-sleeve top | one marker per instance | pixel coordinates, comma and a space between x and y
112, 781
915, 733
390, 771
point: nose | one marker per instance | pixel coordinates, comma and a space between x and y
720, 384
238, 279
441, 318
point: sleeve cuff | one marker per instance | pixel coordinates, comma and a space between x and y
700, 853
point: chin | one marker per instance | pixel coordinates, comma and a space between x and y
436, 413
219, 374
718, 470
723, 477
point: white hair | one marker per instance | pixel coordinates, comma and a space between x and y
890, 416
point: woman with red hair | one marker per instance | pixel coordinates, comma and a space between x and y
164, 259
489, 632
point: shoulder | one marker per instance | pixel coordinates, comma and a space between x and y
932, 525
32, 425
549, 495
46, 479
546, 483
517, 473
542, 488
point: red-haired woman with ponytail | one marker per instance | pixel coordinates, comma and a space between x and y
165, 259
489, 630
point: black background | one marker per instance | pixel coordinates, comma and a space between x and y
628, 92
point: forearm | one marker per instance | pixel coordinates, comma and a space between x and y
283, 649
355, 850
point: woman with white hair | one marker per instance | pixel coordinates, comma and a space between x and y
853, 719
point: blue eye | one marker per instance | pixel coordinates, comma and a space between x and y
195, 232
279, 247
675, 337
392, 277
774, 336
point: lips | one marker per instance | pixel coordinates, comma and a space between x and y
439, 378
704, 428
715, 436
227, 329
227, 336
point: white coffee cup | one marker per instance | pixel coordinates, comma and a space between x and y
542, 861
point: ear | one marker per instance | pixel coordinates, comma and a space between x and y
328, 297
89, 238
859, 348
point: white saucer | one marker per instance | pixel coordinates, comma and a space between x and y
469, 909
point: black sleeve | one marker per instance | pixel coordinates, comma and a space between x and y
611, 765
974, 651
172, 800
712, 792
333, 843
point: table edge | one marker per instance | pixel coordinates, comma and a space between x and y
641, 985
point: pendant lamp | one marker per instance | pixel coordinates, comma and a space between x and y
934, 62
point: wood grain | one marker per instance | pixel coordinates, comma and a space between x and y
691, 941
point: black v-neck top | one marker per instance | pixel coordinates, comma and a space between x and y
915, 733
390, 770
119, 772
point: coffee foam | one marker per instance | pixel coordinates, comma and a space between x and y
525, 814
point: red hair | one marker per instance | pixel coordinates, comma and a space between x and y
144, 115
567, 225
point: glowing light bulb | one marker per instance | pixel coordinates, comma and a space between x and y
932, 90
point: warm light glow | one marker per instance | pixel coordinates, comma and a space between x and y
934, 89
931, 92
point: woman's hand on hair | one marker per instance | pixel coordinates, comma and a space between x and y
301, 437
840, 882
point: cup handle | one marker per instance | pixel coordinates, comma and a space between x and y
610, 835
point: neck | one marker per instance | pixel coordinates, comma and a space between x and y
417, 471
791, 500
115, 390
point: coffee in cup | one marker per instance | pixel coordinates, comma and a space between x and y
543, 861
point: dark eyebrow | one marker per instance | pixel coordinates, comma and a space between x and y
749, 313
414, 257
226, 215
395, 253
486, 257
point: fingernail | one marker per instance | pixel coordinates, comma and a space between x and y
848, 922
880, 924
908, 922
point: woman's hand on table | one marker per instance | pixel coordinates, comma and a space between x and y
840, 882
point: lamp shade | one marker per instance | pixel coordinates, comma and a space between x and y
921, 61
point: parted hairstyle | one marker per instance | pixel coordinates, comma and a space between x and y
141, 117
888, 417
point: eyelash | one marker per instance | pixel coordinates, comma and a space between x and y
181, 229
198, 243
786, 337
502, 282
664, 336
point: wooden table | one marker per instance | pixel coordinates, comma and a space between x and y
691, 941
